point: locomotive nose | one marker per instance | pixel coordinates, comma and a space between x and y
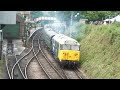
67, 55
70, 55
76, 54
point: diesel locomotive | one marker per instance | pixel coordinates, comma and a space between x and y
66, 50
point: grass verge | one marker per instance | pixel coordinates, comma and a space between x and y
100, 52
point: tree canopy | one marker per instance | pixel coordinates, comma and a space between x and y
99, 15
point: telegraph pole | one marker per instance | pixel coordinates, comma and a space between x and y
71, 18
71, 21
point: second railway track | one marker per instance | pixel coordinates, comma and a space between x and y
10, 61
23, 62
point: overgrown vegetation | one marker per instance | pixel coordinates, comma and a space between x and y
117, 24
99, 15
100, 51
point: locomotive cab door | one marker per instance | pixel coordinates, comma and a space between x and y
55, 48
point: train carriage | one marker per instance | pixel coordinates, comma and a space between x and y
65, 49
47, 36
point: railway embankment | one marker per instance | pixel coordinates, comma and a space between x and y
100, 51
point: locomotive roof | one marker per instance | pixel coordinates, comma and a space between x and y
62, 39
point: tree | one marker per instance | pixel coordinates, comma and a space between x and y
99, 15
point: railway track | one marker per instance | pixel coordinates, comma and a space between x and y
17, 69
23, 62
53, 62
35, 53
7, 67
20, 67
10, 59
46, 65
74, 74
78, 74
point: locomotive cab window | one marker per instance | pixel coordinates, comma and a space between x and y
65, 47
75, 48
69, 47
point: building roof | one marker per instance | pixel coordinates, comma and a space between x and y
117, 18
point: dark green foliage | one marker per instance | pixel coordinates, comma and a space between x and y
99, 15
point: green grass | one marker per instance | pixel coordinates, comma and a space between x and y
117, 24
100, 51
